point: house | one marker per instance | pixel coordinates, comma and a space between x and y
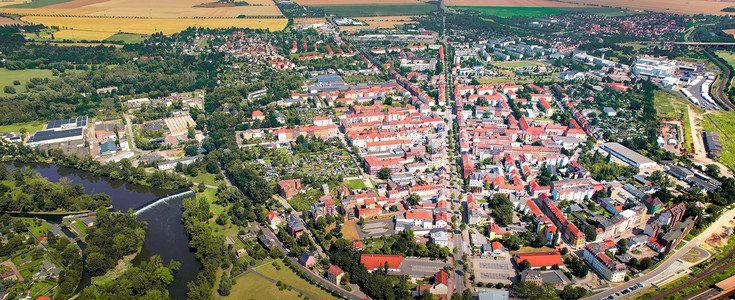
295, 226
611, 270
335, 274
307, 259
289, 188
267, 242
498, 248
374, 262
273, 218
533, 276
8, 274
653, 204
440, 236
441, 283
539, 259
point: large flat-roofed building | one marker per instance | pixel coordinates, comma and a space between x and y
628, 156
68, 131
712, 143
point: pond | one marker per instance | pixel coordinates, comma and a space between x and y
166, 235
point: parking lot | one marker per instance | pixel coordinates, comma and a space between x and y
420, 267
493, 270
377, 228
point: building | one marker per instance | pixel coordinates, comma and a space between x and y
533, 276
712, 143
273, 218
441, 284
66, 134
497, 248
335, 274
595, 255
539, 259
374, 262
568, 230
653, 204
289, 188
307, 259
492, 294
295, 226
628, 156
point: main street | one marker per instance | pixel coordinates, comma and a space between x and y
647, 279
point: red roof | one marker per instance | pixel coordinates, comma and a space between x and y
357, 244
497, 245
375, 261
441, 277
419, 214
540, 259
335, 270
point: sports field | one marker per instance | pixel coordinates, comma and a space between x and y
377, 10
150, 26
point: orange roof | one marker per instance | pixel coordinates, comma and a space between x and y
540, 259
335, 270
497, 245
441, 277
375, 261
419, 214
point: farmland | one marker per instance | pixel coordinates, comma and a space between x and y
370, 2
532, 12
382, 22
149, 26
79, 35
373, 10
510, 3
142, 8
37, 3
9, 21
677, 6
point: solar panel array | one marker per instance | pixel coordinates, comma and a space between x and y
46, 135
79, 121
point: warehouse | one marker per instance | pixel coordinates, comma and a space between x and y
712, 143
628, 156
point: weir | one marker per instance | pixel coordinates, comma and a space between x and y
178, 195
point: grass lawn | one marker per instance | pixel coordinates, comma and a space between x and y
127, 38
349, 231
517, 64
82, 228
377, 9
37, 3
729, 57
289, 277
492, 80
725, 120
355, 184
252, 286
29, 127
123, 265
303, 201
8, 76
220, 230
205, 177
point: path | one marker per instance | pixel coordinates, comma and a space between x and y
722, 221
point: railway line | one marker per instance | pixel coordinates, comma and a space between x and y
716, 267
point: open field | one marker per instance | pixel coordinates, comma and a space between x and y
511, 3
143, 8
37, 3
517, 64
78, 35
31, 127
677, 6
728, 56
343, 2
252, 286
724, 124
8, 76
508, 11
349, 231
289, 277
12, 2
127, 38
9, 21
730, 31
309, 20
373, 10
381, 22
150, 26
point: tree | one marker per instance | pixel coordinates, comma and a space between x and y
622, 245
645, 263
9, 89
415, 199
633, 262
571, 292
590, 233
384, 173
525, 265
16, 82
225, 285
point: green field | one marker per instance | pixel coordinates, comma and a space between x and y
252, 286
8, 76
289, 277
725, 120
517, 64
670, 106
37, 3
127, 38
727, 56
355, 184
30, 127
533, 12
376, 10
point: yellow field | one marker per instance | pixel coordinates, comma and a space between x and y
308, 21
150, 26
730, 31
81, 35
6, 3
675, 6
150, 9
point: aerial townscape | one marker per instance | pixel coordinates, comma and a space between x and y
367, 149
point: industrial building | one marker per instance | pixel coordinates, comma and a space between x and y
628, 156
712, 143
67, 135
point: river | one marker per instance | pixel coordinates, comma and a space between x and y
166, 235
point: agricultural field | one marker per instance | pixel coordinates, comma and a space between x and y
127, 38
8, 21
382, 22
81, 35
730, 31
374, 9
8, 76
678, 6
532, 12
150, 26
511, 3
37, 3
343, 2
724, 124
143, 8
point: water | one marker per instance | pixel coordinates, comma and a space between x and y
166, 235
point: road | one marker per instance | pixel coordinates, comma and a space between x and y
700, 153
646, 279
129, 133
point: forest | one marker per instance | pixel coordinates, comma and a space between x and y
114, 236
